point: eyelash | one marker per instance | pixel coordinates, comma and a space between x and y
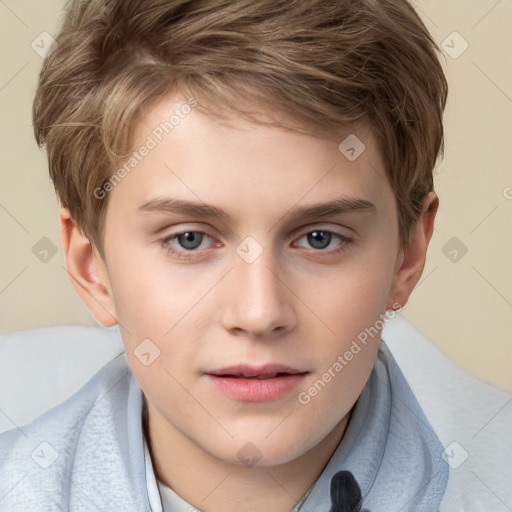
346, 242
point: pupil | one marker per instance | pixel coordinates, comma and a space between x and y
190, 240
319, 239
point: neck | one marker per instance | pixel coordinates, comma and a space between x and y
214, 485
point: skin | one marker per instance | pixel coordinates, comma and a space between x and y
296, 304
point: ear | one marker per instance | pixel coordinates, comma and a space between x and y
87, 270
411, 259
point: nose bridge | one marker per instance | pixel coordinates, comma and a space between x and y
259, 302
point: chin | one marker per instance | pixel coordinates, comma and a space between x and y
265, 452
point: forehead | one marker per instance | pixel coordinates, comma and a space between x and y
245, 167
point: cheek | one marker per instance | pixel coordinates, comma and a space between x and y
352, 297
168, 305
350, 308
152, 296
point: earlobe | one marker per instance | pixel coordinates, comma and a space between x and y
87, 270
413, 255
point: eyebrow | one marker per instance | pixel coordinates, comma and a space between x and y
338, 206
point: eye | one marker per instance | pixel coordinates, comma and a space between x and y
186, 243
322, 239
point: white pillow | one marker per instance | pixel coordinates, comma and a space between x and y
39, 368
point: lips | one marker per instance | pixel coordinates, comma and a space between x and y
256, 383
268, 371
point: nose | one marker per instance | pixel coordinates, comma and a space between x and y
259, 303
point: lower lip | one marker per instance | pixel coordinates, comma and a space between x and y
256, 390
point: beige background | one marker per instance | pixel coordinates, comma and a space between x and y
464, 307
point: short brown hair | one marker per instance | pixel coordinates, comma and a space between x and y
323, 63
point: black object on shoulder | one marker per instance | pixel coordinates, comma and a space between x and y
345, 493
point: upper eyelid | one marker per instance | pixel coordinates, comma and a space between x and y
303, 228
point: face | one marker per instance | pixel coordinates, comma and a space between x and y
244, 263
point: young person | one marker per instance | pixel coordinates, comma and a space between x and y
246, 191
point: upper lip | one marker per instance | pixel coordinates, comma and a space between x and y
245, 370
